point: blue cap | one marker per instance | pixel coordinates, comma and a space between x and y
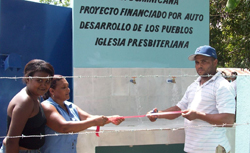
205, 51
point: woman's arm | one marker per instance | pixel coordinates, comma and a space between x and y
56, 122
115, 119
21, 112
82, 114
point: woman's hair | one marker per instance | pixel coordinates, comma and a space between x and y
37, 65
53, 85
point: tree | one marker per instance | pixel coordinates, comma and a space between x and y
64, 3
231, 4
229, 33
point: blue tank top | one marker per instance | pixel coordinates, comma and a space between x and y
61, 143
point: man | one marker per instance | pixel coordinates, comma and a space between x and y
207, 102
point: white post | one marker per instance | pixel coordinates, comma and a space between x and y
242, 132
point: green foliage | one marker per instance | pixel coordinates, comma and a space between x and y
229, 33
64, 3
231, 4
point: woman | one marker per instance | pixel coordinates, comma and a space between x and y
65, 117
24, 113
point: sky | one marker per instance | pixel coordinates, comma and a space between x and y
33, 0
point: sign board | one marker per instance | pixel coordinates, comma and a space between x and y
138, 33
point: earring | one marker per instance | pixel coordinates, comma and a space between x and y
53, 96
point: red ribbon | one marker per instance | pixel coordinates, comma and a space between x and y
114, 118
97, 131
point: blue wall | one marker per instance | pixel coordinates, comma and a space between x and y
32, 30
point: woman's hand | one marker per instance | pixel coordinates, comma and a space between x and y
100, 120
116, 119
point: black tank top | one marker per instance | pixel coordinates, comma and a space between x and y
34, 126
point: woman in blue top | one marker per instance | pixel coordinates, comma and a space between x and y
65, 117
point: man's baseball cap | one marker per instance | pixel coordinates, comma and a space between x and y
205, 51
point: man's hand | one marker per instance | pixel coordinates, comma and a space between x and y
152, 117
191, 114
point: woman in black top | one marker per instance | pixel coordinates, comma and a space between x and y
25, 114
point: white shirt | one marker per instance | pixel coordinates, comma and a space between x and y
213, 97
